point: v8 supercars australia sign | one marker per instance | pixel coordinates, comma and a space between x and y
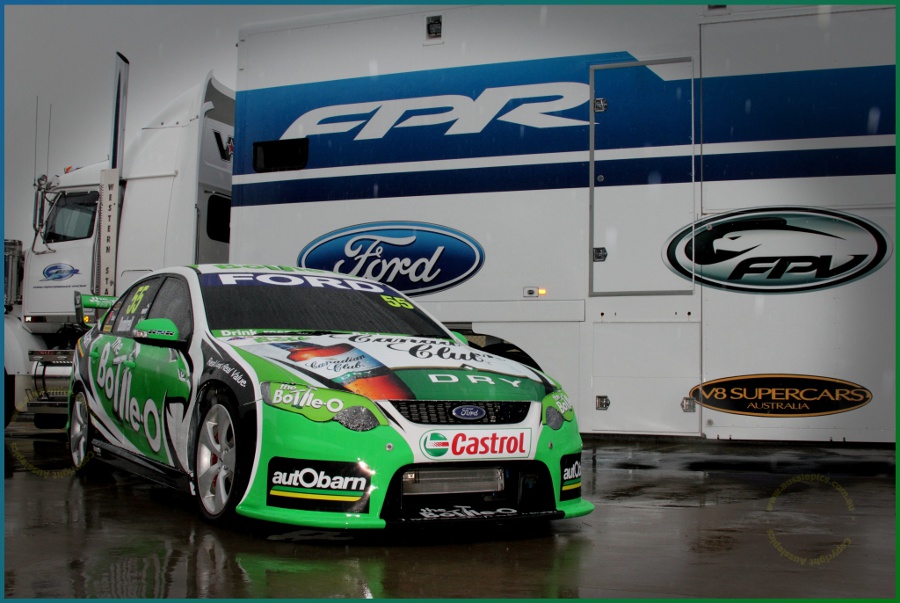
781, 395
777, 250
412, 257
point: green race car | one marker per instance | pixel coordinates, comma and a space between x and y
311, 398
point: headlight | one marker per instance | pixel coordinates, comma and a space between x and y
357, 418
555, 419
557, 409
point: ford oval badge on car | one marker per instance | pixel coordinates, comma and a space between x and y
413, 257
468, 412
777, 250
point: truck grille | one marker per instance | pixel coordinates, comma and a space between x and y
440, 412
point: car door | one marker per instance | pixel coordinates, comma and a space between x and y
132, 378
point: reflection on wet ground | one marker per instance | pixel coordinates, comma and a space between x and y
674, 519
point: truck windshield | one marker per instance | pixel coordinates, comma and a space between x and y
71, 217
255, 305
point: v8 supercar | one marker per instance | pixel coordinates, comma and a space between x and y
311, 398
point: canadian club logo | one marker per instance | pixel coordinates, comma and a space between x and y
781, 395
777, 250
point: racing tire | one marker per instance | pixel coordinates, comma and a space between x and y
222, 449
80, 432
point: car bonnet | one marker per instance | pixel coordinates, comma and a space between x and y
398, 367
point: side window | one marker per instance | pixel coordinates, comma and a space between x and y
110, 319
135, 305
218, 218
174, 302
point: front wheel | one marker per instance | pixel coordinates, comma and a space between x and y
79, 431
220, 468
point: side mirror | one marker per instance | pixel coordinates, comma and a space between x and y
161, 331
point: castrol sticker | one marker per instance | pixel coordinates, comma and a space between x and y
476, 444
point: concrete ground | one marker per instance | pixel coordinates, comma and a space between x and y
674, 518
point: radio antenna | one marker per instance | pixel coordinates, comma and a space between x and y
49, 123
34, 170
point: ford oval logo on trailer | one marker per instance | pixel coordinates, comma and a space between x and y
412, 257
777, 250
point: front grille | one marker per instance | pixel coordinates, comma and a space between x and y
524, 492
440, 412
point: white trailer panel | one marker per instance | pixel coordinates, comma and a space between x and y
684, 213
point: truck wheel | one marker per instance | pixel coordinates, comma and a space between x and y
48, 421
223, 450
9, 396
80, 432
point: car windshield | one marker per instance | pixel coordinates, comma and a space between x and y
275, 301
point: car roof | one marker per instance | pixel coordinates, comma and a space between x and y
295, 271
222, 268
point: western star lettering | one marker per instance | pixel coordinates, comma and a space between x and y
467, 115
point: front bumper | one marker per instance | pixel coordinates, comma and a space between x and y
327, 476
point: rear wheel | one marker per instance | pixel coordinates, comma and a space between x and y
222, 455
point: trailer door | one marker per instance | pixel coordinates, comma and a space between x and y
642, 174
646, 320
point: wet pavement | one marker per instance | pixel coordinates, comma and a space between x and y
674, 518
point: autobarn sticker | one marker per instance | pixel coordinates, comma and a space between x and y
781, 395
777, 250
570, 484
318, 485
476, 444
